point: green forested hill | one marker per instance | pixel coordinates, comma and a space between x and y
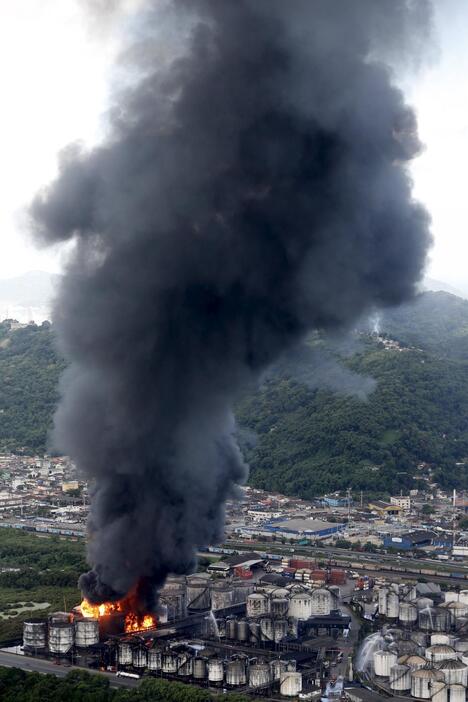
306, 429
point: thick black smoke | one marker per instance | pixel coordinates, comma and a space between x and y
254, 185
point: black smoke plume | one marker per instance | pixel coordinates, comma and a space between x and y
253, 185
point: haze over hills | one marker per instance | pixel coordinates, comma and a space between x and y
27, 297
361, 414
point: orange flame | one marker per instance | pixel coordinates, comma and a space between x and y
133, 622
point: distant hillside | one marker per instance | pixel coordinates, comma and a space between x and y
435, 321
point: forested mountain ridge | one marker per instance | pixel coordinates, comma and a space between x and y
329, 416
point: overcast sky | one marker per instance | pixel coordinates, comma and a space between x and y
55, 75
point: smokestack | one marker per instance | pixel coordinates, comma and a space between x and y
254, 185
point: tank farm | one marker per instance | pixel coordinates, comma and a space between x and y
217, 633
421, 648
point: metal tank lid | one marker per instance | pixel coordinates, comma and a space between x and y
427, 674
451, 664
441, 648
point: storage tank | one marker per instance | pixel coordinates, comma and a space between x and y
383, 662
139, 656
255, 633
277, 667
174, 597
34, 634
426, 619
259, 674
154, 660
440, 652
383, 594
258, 604
454, 671
442, 619
415, 662
440, 639
393, 605
280, 629
293, 628
463, 596
321, 602
461, 645
424, 603
439, 691
215, 671
61, 637
400, 678
222, 595
279, 606
231, 629
457, 610
184, 664
221, 624
408, 647
420, 637
236, 673
457, 693
422, 681
266, 629
169, 662
290, 684
243, 631
198, 593
408, 614
86, 632
451, 596
125, 653
242, 589
300, 606
200, 670
461, 625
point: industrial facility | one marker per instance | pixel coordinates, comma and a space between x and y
228, 633
421, 650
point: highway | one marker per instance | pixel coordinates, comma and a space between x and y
40, 665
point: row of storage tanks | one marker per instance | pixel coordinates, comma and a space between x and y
59, 634
181, 594
263, 629
238, 671
297, 602
396, 603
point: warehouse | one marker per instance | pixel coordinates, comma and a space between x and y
410, 540
309, 528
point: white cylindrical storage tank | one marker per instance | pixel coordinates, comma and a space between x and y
259, 674
383, 662
415, 662
280, 629
154, 660
61, 637
400, 678
321, 602
393, 605
200, 670
455, 672
422, 681
266, 629
279, 606
383, 594
290, 684
439, 653
236, 672
242, 589
258, 604
215, 671
451, 596
442, 618
198, 593
424, 603
300, 606
463, 596
34, 634
125, 653
440, 639
426, 619
86, 632
461, 645
222, 595
439, 691
457, 610
277, 667
408, 613
457, 693
184, 664
169, 662
139, 657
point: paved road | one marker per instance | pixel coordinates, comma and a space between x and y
39, 665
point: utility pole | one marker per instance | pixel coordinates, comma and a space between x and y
361, 500
349, 503
454, 509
